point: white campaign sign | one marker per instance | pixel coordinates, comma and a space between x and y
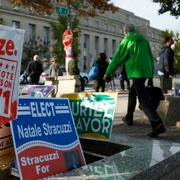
11, 43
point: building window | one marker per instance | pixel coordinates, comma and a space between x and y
105, 27
121, 30
97, 24
32, 32
113, 28
113, 46
85, 50
46, 35
16, 24
106, 46
96, 46
86, 22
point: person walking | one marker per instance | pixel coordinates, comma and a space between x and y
102, 66
34, 70
165, 66
54, 69
134, 50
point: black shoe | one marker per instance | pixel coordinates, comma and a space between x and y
156, 131
127, 121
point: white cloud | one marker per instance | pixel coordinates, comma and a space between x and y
149, 10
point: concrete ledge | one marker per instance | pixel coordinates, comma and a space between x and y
148, 161
169, 110
64, 84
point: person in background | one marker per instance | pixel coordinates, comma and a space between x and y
102, 66
54, 69
166, 61
34, 70
74, 70
134, 50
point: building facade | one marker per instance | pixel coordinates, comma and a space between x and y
104, 33
99, 34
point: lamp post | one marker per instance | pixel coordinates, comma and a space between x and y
68, 35
68, 38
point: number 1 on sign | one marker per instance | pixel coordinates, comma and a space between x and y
6, 96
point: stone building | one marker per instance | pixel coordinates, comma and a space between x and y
103, 34
99, 34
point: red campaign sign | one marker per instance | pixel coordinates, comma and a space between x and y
11, 42
41, 162
8, 71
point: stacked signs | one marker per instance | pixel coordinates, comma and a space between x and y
93, 113
11, 43
45, 138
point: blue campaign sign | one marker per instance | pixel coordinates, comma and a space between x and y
45, 138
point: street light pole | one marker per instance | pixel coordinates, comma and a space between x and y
68, 38
69, 17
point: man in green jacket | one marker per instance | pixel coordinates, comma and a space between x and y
135, 52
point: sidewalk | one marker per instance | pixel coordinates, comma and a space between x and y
141, 125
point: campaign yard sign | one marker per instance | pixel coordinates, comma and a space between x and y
93, 113
45, 139
35, 90
11, 43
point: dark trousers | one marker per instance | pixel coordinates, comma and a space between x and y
138, 89
34, 79
123, 85
99, 84
82, 83
165, 83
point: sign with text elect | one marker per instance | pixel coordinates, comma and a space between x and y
45, 138
93, 113
11, 43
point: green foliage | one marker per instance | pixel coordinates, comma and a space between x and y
176, 49
58, 30
173, 6
2, 21
82, 7
177, 55
167, 33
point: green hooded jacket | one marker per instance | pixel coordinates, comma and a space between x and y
135, 52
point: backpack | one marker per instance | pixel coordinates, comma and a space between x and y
93, 73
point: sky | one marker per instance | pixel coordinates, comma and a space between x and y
149, 10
